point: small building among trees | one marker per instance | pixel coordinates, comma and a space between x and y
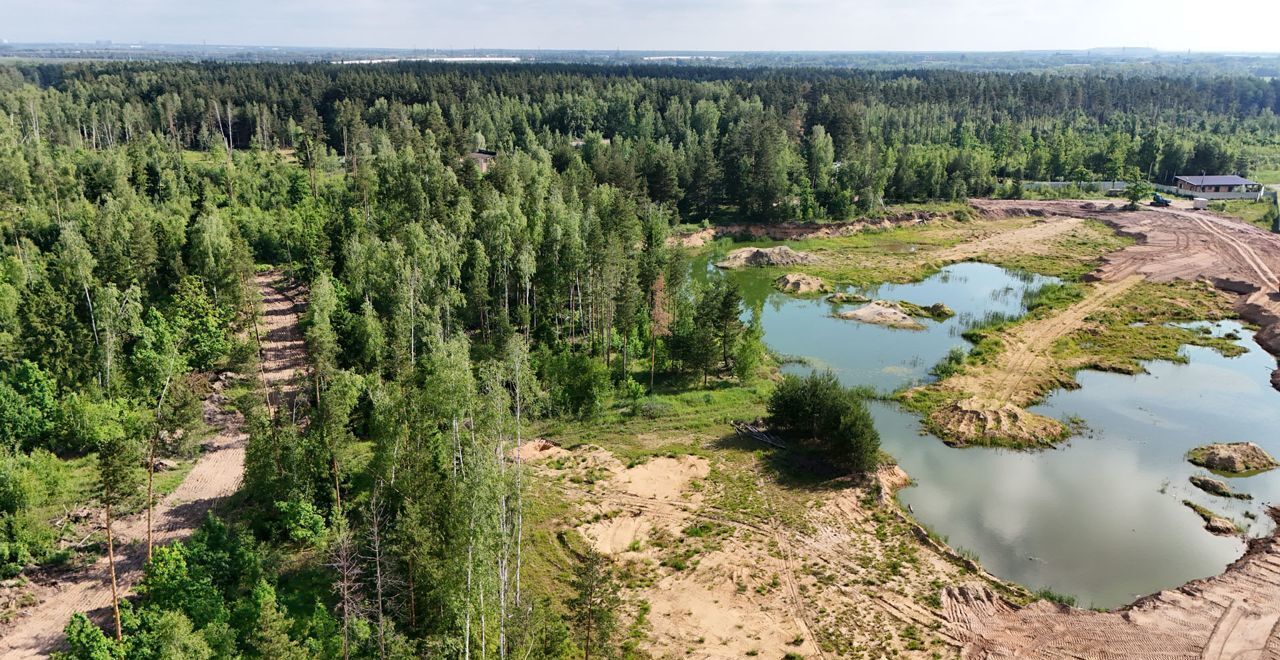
482, 158
1228, 186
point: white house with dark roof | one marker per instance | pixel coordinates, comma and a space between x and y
1219, 186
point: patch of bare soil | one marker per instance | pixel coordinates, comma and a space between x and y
537, 450
794, 231
1035, 239
882, 312
850, 579
1234, 615
37, 631
800, 284
780, 255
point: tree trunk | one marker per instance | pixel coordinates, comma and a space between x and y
151, 480
111, 562
653, 361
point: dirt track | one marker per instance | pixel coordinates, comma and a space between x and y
1172, 244
38, 630
1182, 244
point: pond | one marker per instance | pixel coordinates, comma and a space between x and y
1100, 518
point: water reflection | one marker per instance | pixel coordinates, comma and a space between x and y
1100, 518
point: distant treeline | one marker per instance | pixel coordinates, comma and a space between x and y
768, 144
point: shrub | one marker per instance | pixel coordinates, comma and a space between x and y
579, 384
831, 417
301, 522
949, 365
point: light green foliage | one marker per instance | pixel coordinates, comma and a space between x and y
579, 384
302, 523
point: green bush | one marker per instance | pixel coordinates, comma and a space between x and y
578, 383
832, 418
301, 522
949, 365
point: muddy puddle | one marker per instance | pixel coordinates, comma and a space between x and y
1100, 518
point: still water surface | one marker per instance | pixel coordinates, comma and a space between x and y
1101, 517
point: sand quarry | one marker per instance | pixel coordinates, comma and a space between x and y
1171, 244
852, 576
850, 579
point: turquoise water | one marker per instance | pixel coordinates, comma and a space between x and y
1099, 518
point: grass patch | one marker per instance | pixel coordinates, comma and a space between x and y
1055, 597
668, 423
1052, 296
1137, 328
1250, 211
1068, 256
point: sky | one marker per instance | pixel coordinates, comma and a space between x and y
737, 25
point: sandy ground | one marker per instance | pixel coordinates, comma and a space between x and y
1172, 244
1231, 616
880, 312
1036, 239
792, 231
800, 284
780, 255
850, 578
38, 630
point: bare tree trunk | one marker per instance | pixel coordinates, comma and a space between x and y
653, 361
93, 319
111, 562
375, 529
151, 480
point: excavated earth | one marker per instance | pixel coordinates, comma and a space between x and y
795, 231
1181, 244
800, 284
773, 256
1234, 615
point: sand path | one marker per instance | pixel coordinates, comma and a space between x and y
37, 632
1172, 244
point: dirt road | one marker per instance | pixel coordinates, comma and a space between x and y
989, 401
38, 630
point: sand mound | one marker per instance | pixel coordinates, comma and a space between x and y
774, 256
799, 283
882, 312
973, 422
1233, 458
535, 450
662, 478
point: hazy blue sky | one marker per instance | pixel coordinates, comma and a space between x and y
1237, 25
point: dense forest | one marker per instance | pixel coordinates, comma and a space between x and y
450, 306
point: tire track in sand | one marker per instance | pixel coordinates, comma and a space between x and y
37, 632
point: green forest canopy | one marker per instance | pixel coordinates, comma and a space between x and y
448, 306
